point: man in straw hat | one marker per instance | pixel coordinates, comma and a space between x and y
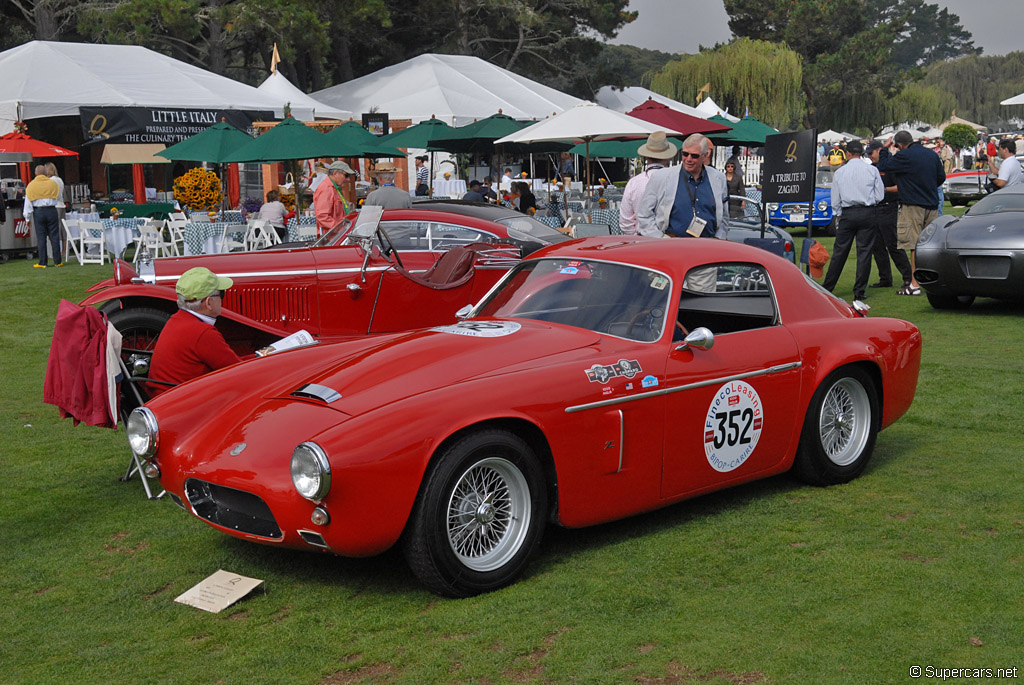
189, 344
388, 195
655, 153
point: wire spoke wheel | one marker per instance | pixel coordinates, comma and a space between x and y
844, 421
488, 514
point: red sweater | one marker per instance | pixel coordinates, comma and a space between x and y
188, 347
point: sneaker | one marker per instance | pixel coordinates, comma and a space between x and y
38, 266
908, 290
61, 264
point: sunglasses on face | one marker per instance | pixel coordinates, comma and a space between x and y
693, 155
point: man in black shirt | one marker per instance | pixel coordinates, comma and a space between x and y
885, 240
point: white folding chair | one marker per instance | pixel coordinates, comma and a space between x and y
71, 243
151, 238
92, 235
225, 243
260, 235
176, 232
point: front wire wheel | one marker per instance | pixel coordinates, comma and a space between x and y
839, 429
479, 515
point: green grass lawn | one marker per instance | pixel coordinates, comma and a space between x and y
918, 562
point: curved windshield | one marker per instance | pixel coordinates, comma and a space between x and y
534, 229
998, 202
615, 299
336, 234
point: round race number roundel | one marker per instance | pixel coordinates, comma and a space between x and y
733, 426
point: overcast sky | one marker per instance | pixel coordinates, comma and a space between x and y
684, 25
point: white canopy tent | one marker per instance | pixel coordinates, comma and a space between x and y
1015, 100
457, 89
625, 99
831, 136
49, 79
285, 92
711, 108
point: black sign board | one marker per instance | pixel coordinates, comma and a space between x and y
787, 174
165, 125
376, 123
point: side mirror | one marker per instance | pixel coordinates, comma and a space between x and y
464, 312
700, 338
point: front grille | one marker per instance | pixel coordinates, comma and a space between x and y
795, 209
270, 304
230, 508
977, 266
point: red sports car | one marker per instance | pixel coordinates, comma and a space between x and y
392, 278
600, 378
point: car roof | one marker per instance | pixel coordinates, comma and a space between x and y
480, 210
668, 255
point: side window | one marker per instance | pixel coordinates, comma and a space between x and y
407, 235
727, 298
447, 236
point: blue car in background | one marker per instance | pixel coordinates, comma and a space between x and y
794, 214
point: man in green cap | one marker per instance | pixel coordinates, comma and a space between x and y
190, 345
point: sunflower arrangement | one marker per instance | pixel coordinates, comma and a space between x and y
198, 188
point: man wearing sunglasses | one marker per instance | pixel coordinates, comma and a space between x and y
189, 344
686, 200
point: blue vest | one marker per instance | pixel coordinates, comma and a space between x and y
690, 193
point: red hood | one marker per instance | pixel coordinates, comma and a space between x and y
380, 370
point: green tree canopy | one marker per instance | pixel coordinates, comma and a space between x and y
959, 136
978, 84
763, 76
856, 53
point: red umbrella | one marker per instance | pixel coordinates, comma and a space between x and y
24, 143
662, 115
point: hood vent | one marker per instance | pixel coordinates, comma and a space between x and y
313, 391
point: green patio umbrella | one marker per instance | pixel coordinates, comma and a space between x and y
356, 141
477, 137
749, 131
616, 148
290, 139
214, 144
418, 135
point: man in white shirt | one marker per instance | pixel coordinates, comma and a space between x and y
1009, 169
856, 189
654, 152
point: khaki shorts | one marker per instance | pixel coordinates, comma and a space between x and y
911, 222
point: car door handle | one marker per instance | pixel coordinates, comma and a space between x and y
354, 289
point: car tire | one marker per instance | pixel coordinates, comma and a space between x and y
839, 430
479, 515
950, 301
139, 328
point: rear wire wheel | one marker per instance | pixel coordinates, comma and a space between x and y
479, 515
840, 428
139, 328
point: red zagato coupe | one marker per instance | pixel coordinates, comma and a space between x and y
600, 378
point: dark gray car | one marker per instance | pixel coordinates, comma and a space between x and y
980, 254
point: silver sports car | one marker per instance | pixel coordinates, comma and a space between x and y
980, 254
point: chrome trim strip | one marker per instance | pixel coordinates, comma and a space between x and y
304, 272
317, 392
689, 386
622, 431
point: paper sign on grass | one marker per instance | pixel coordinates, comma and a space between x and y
218, 592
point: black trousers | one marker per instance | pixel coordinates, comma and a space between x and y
885, 246
854, 223
47, 226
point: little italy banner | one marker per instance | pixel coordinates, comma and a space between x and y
159, 124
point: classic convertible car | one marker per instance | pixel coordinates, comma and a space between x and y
335, 288
980, 254
600, 378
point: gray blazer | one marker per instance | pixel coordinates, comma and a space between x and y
655, 206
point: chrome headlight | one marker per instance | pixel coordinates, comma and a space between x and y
143, 432
822, 205
773, 206
311, 471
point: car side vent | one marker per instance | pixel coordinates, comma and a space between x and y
313, 391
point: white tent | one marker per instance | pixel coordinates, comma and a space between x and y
1015, 100
711, 108
48, 79
457, 89
284, 91
831, 136
625, 99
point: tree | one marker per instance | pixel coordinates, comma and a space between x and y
850, 48
764, 77
48, 19
978, 84
959, 136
